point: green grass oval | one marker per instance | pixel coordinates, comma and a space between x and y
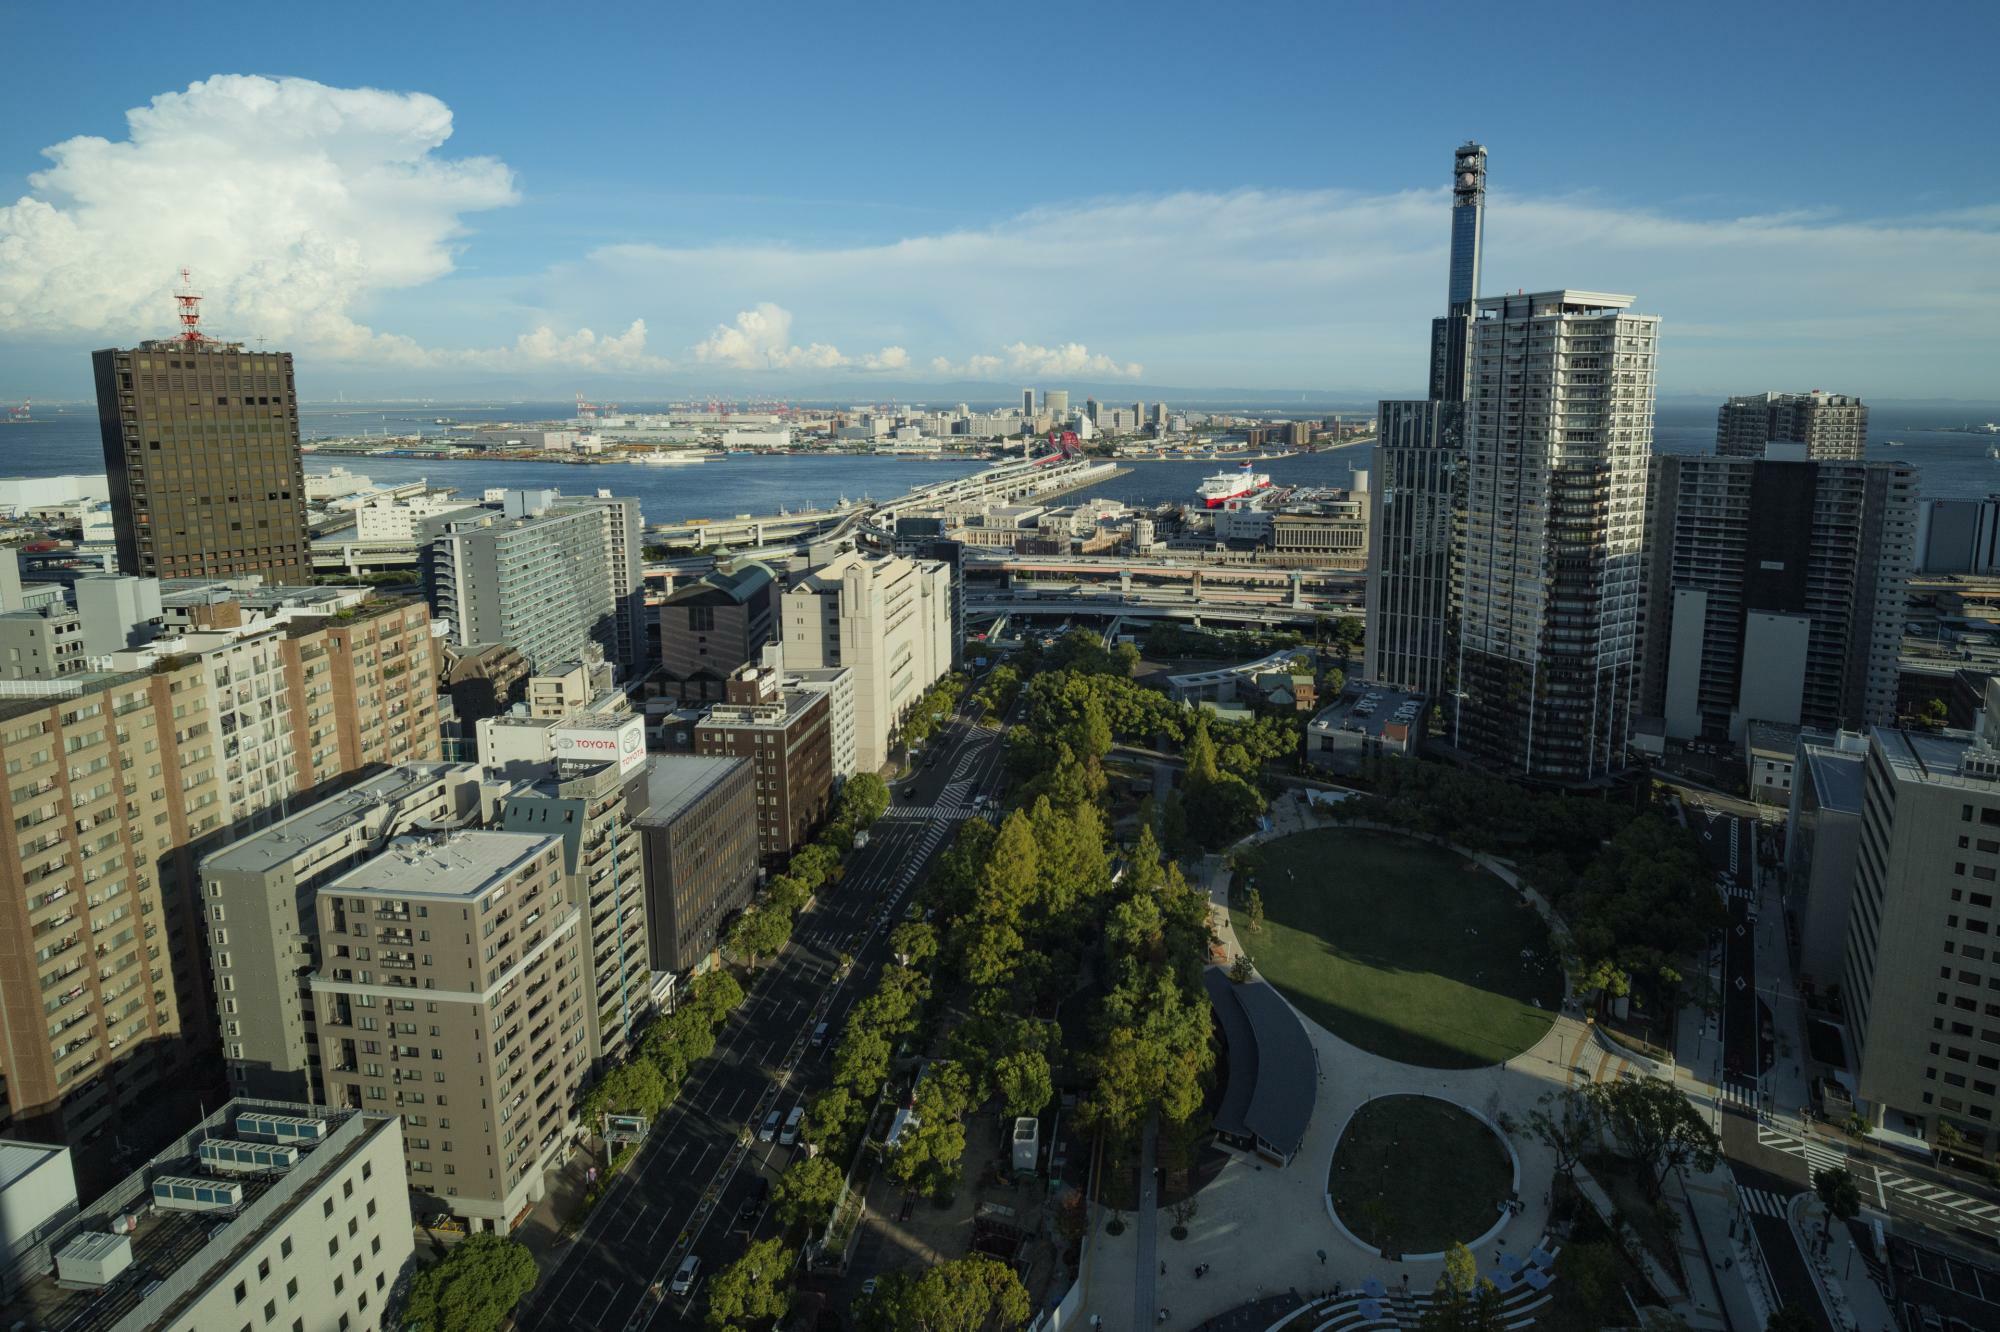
1402, 948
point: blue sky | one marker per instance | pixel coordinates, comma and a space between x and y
866, 198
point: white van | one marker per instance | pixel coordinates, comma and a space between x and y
684, 1276
770, 1129
792, 1121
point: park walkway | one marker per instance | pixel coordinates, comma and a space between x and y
1264, 1232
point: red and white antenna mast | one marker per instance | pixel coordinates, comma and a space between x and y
190, 309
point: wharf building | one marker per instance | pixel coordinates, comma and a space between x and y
786, 734
889, 621
264, 1214
201, 450
119, 781
1831, 426
451, 990
1775, 591
1558, 437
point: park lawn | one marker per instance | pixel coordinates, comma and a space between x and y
1413, 1174
1400, 948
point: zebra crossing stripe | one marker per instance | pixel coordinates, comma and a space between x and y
1761, 1201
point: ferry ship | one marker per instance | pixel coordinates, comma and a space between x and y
1226, 485
674, 458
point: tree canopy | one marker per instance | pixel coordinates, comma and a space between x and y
1632, 887
970, 1294
1656, 1126
755, 1288
808, 1191
473, 1288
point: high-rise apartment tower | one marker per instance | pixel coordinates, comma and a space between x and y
1775, 592
1832, 426
1559, 433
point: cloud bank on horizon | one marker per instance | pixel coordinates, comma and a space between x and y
320, 218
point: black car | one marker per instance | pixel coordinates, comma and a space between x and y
760, 1190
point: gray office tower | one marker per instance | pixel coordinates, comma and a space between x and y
1412, 524
1451, 336
1413, 506
538, 571
1775, 592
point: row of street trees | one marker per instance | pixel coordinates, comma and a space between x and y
762, 930
933, 709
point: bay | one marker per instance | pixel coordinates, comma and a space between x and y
1949, 464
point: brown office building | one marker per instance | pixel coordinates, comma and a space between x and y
788, 734
201, 445
698, 831
450, 991
712, 627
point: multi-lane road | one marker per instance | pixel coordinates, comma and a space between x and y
694, 1186
1771, 1146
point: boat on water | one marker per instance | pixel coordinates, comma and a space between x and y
674, 458
1993, 451
1892, 443
1227, 485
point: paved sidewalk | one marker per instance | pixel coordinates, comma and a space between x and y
1146, 1258
1849, 1295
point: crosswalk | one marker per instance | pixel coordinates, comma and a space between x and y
941, 811
1762, 1202
1731, 888
1739, 1093
1817, 1155
1937, 1195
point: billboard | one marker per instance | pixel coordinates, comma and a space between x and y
624, 743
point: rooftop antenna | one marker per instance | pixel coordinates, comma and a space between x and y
189, 302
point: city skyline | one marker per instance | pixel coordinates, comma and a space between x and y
406, 228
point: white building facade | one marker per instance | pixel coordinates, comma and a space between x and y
888, 620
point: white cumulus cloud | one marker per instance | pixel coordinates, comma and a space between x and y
761, 339
293, 202
1025, 359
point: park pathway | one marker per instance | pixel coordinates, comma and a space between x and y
1149, 1228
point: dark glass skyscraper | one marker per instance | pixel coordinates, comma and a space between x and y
201, 448
1451, 336
1418, 482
